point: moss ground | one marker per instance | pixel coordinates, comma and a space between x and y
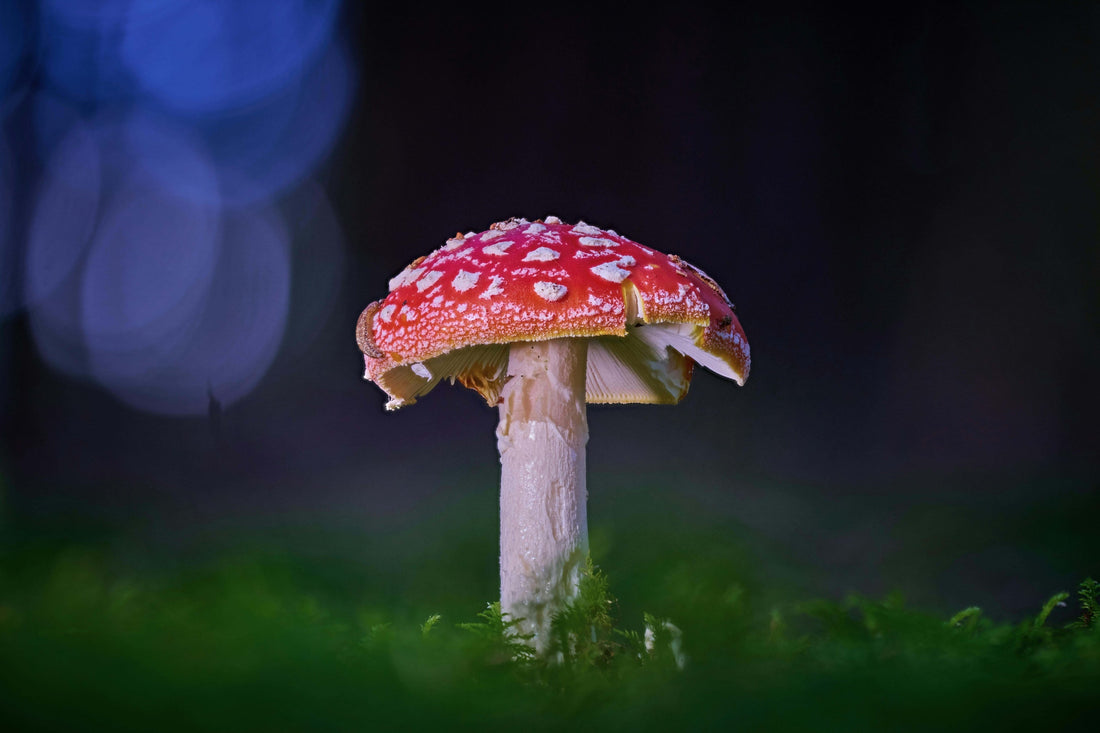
270, 633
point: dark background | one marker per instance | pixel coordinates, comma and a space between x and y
903, 205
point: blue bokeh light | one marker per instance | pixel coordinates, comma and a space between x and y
265, 149
148, 271
9, 285
217, 340
55, 327
80, 55
16, 57
208, 56
12, 44
66, 207
162, 154
155, 261
53, 117
99, 14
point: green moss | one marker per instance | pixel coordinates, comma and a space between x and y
272, 641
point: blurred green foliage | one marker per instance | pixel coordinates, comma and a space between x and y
93, 637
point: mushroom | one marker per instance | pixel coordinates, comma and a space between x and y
541, 318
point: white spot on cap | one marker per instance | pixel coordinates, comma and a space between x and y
420, 370
597, 242
494, 287
438, 301
595, 300
581, 254
542, 254
465, 280
461, 308
534, 229
497, 248
612, 272
386, 314
405, 277
552, 220
582, 228
454, 243
551, 291
492, 234
428, 280
511, 224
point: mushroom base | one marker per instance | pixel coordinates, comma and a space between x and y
542, 435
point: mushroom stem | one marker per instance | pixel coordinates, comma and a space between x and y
543, 523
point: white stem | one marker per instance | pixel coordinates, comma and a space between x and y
543, 524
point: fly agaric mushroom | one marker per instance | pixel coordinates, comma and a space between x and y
540, 318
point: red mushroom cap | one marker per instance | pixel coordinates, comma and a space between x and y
452, 314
